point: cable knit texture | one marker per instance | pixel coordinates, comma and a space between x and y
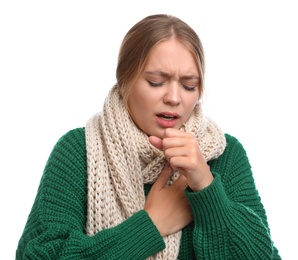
120, 160
229, 219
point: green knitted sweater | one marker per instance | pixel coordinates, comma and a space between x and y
229, 218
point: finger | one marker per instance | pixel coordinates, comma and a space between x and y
180, 148
172, 132
178, 141
163, 178
156, 142
173, 153
171, 142
181, 182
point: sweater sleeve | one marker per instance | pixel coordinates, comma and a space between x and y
229, 219
55, 228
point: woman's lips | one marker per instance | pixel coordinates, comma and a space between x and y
167, 120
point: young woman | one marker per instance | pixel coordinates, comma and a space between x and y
150, 176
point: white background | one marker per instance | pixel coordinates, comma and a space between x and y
58, 60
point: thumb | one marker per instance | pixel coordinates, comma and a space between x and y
156, 142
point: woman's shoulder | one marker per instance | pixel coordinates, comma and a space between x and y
68, 156
230, 138
70, 143
233, 142
73, 134
233, 159
234, 149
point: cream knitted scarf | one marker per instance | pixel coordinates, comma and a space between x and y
120, 160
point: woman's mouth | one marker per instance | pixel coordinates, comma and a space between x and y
167, 117
167, 120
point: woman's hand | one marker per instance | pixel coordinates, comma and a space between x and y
182, 152
168, 207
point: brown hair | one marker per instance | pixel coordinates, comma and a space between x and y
142, 37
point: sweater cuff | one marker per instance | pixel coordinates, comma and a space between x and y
143, 234
211, 207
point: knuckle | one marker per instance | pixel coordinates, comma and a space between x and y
167, 153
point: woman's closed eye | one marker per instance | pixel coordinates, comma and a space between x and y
155, 84
189, 88
159, 84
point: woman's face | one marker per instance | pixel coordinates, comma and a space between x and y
166, 93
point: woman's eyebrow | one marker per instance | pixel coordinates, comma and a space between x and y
190, 77
158, 73
167, 75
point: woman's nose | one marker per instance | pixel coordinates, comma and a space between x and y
172, 94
